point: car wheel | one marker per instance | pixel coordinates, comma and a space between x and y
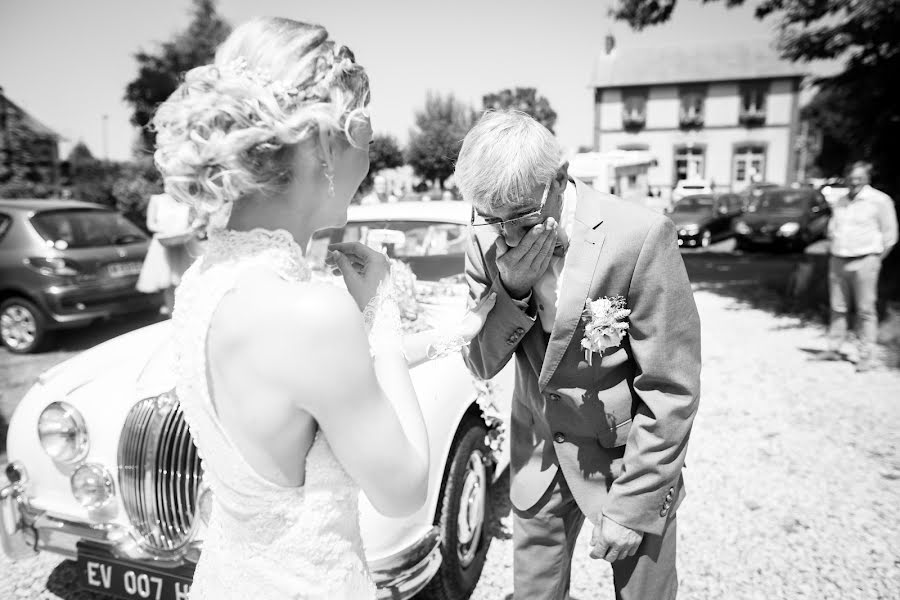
464, 512
705, 238
23, 328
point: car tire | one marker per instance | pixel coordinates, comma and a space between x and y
465, 500
23, 326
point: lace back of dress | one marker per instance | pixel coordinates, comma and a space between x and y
299, 537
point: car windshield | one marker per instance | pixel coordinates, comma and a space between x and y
780, 202
694, 204
85, 228
432, 250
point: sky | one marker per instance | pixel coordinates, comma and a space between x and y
67, 62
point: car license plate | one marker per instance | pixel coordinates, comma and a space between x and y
127, 580
123, 269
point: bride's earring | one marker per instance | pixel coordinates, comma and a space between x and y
329, 175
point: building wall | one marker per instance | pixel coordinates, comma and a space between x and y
720, 135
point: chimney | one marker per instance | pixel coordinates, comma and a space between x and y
610, 43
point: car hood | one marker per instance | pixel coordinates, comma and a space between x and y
687, 218
772, 218
136, 356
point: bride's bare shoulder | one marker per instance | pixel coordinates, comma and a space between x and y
263, 301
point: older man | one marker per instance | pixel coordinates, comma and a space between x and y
379, 192
604, 399
862, 230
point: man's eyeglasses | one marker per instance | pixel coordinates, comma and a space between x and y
526, 220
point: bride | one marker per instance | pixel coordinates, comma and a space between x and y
297, 393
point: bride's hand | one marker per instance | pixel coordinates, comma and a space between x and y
475, 317
362, 267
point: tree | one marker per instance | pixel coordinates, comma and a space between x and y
858, 106
440, 128
525, 100
160, 72
384, 153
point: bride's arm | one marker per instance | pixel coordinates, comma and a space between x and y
313, 345
427, 345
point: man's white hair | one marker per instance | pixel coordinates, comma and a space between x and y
503, 158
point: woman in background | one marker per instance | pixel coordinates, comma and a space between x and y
172, 249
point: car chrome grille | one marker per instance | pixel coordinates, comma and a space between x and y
159, 473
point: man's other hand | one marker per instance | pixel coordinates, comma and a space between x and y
611, 541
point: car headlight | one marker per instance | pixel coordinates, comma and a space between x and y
742, 228
63, 434
92, 486
789, 228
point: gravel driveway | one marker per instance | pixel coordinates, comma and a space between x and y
793, 478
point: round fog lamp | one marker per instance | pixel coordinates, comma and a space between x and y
92, 486
15, 472
63, 433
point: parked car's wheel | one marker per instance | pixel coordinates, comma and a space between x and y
464, 511
705, 238
23, 328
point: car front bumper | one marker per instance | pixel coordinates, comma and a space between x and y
73, 305
25, 531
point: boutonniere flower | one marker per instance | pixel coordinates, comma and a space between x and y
606, 324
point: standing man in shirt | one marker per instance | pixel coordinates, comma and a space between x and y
595, 308
862, 230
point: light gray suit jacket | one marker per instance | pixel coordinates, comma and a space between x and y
617, 429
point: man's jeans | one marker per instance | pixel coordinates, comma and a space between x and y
854, 282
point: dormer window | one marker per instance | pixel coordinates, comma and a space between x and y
693, 100
634, 109
753, 104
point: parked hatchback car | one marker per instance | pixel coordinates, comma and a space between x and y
783, 218
104, 470
705, 218
65, 264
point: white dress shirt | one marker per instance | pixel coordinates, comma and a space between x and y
866, 224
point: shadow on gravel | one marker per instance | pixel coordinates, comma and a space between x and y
76, 340
63, 582
788, 284
4, 427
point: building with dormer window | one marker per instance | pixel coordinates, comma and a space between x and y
724, 112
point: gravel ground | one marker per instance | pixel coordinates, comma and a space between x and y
793, 478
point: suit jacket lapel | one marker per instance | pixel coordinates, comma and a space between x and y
587, 240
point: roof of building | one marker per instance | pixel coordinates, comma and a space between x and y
683, 63
29, 122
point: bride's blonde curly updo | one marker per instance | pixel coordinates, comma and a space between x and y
230, 128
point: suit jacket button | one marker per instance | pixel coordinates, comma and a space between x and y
663, 512
511, 339
554, 397
559, 437
519, 331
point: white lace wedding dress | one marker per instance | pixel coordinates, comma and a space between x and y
264, 541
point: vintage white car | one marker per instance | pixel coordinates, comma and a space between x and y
103, 469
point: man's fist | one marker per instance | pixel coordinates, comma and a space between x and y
611, 541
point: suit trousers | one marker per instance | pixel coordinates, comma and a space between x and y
544, 539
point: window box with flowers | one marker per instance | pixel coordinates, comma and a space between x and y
693, 100
634, 110
753, 104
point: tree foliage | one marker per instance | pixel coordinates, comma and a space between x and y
525, 100
384, 153
435, 142
856, 109
160, 71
